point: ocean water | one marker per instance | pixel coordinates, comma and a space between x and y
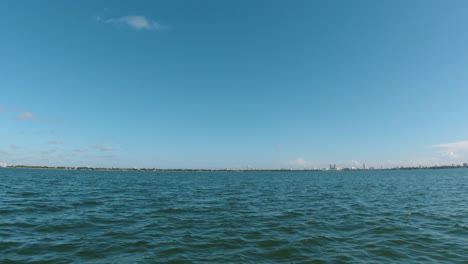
53, 216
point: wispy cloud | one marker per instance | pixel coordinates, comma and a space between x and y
135, 22
47, 152
55, 142
102, 148
301, 163
41, 132
110, 157
80, 150
454, 149
28, 116
13, 146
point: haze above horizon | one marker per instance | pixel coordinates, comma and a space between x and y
238, 85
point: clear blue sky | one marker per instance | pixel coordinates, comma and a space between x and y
233, 84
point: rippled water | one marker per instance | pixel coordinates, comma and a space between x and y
52, 216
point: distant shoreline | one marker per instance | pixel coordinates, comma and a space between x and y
231, 170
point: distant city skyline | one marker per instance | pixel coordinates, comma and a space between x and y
245, 84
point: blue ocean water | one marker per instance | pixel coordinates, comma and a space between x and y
57, 216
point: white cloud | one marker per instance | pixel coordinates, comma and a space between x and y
454, 147
102, 148
301, 163
355, 163
415, 162
450, 154
135, 22
55, 142
13, 146
454, 151
27, 115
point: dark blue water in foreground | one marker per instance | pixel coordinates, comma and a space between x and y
52, 216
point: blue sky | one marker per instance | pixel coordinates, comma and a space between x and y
233, 84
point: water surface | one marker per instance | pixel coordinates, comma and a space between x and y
56, 216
